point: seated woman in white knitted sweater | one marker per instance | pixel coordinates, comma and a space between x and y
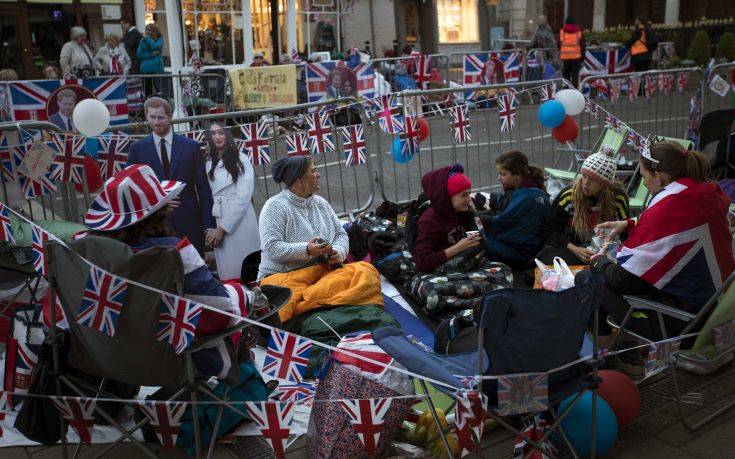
304, 244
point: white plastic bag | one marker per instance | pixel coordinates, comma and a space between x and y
558, 278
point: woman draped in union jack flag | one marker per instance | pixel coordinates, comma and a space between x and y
678, 251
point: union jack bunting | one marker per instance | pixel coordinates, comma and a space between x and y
603, 90
32, 188
197, 136
294, 393
650, 87
68, 163
112, 154
286, 357
366, 417
23, 344
669, 84
661, 82
612, 122
318, 76
78, 412
165, 420
255, 143
448, 99
32, 100
320, 135
606, 62
388, 114
39, 238
507, 113
354, 145
410, 137
467, 382
470, 418
295, 58
367, 352
6, 158
547, 92
460, 124
635, 86
614, 91
6, 226
591, 107
635, 141
102, 301
297, 144
725, 336
177, 321
274, 419
523, 393
422, 74
535, 430
681, 82
661, 355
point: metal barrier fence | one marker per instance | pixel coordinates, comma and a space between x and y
712, 101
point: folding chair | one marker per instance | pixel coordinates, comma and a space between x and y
132, 355
610, 140
702, 356
556, 320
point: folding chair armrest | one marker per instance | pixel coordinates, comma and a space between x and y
641, 303
203, 341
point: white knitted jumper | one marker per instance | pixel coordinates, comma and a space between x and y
287, 223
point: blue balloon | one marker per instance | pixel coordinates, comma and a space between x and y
397, 151
578, 425
551, 114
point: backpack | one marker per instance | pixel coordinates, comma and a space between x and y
413, 212
456, 335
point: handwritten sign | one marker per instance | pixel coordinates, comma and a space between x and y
37, 161
261, 87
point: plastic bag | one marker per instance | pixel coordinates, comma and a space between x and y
558, 278
554, 186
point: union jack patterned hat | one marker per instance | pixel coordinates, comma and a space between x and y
128, 197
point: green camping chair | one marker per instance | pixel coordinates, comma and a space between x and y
610, 139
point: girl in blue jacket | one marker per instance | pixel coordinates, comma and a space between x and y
514, 228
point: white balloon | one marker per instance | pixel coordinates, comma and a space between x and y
572, 100
91, 117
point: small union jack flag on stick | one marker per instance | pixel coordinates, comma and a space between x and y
460, 124
6, 225
388, 114
165, 420
68, 163
102, 301
354, 145
506, 112
79, 413
591, 107
470, 418
367, 418
255, 143
177, 321
38, 249
320, 133
113, 154
523, 393
410, 137
274, 419
297, 144
287, 356
547, 92
294, 393
681, 82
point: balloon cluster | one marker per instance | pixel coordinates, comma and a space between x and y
556, 114
397, 147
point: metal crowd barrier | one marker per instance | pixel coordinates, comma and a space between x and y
713, 101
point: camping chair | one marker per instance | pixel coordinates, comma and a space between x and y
508, 317
610, 139
99, 355
703, 356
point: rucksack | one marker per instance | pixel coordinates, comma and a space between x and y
417, 207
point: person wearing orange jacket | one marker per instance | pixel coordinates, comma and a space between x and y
571, 50
642, 42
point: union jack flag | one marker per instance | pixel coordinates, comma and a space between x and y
506, 112
295, 58
603, 90
388, 114
6, 159
612, 123
410, 137
547, 92
317, 75
635, 141
177, 321
662, 83
30, 99
6, 226
68, 163
78, 412
165, 420
294, 393
297, 144
681, 82
23, 344
467, 382
591, 107
255, 143
354, 145
614, 91
274, 419
725, 336
650, 87
32, 188
286, 357
112, 154
39, 239
422, 74
102, 301
320, 133
474, 64
460, 124
469, 421
523, 393
635, 86
661, 355
367, 418
606, 62
668, 84
363, 346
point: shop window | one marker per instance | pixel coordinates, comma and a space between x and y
457, 21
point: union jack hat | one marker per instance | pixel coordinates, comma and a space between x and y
128, 197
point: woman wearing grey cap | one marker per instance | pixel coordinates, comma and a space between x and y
304, 244
76, 57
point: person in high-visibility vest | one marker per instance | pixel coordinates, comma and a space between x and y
642, 42
571, 50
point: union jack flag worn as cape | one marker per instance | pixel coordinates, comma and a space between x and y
274, 420
354, 145
297, 144
460, 124
321, 139
286, 357
388, 113
367, 418
506, 112
681, 243
165, 420
79, 413
255, 143
177, 321
102, 301
113, 154
68, 163
6, 226
470, 418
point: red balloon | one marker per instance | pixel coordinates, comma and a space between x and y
567, 131
621, 394
423, 129
93, 174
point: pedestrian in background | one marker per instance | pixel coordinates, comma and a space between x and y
150, 54
131, 39
112, 59
259, 60
572, 49
642, 42
76, 56
51, 72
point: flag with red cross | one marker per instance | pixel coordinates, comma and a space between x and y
274, 419
78, 412
68, 162
354, 145
102, 301
255, 143
177, 321
320, 135
165, 420
366, 417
